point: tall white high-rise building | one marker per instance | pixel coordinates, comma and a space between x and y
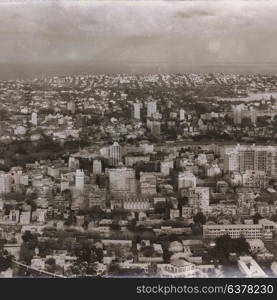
5, 183
238, 114
251, 157
167, 166
34, 118
73, 163
137, 107
97, 166
155, 127
115, 154
182, 114
151, 108
79, 180
71, 106
253, 115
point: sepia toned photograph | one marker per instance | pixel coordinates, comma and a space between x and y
138, 139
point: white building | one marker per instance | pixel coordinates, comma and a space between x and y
137, 107
213, 170
166, 166
231, 162
25, 217
238, 114
34, 118
253, 115
234, 231
115, 154
182, 114
148, 183
151, 108
97, 166
176, 269
79, 180
250, 268
256, 245
122, 180
202, 159
5, 183
186, 180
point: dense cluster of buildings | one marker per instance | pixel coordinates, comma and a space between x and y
141, 195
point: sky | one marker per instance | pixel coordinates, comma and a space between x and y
113, 34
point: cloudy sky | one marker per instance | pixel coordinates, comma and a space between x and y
138, 32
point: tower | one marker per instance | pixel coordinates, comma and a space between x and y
34, 118
115, 154
182, 114
137, 111
237, 114
97, 166
155, 127
253, 115
151, 108
79, 179
71, 106
5, 183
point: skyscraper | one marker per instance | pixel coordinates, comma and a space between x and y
5, 183
245, 157
97, 166
71, 106
137, 111
115, 154
151, 108
79, 180
237, 114
34, 118
155, 127
253, 115
231, 162
182, 114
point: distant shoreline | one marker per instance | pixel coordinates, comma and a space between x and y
30, 70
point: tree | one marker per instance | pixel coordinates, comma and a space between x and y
118, 214
199, 218
274, 218
160, 207
28, 237
26, 254
166, 255
182, 201
115, 226
114, 268
4, 115
5, 260
148, 251
226, 245
82, 269
50, 261
96, 213
256, 218
85, 225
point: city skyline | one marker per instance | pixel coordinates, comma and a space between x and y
138, 139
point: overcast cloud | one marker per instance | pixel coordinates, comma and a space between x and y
149, 32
